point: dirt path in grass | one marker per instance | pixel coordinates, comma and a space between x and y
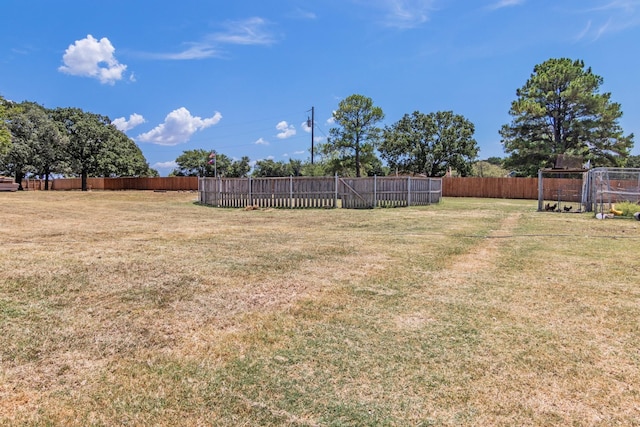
481, 258
462, 269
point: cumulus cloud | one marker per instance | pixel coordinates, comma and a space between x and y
124, 125
331, 120
94, 58
262, 142
286, 130
178, 127
165, 165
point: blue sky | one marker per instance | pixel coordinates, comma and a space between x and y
240, 77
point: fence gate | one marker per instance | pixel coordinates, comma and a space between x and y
357, 193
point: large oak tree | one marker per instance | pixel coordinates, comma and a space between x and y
37, 142
96, 148
430, 144
560, 110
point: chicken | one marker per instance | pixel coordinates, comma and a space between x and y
567, 208
550, 207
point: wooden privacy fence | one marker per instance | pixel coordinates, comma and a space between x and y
511, 188
173, 183
319, 192
502, 188
499, 188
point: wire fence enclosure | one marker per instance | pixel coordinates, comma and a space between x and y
564, 192
594, 190
607, 186
319, 192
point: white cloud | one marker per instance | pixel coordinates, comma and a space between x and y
195, 51
286, 130
92, 58
505, 3
252, 31
303, 14
165, 165
627, 6
305, 126
299, 152
262, 142
610, 16
331, 120
584, 32
178, 127
124, 125
404, 14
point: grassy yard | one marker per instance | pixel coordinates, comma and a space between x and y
143, 308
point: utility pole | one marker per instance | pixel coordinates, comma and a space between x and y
311, 123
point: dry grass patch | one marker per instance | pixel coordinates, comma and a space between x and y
144, 308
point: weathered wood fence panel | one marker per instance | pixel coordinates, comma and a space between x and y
389, 191
233, 192
425, 191
357, 193
319, 192
289, 192
313, 192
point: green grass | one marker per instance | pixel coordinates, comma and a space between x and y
139, 308
628, 208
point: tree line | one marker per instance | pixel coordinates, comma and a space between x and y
559, 111
41, 142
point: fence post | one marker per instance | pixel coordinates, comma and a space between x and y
429, 189
408, 191
375, 191
335, 191
290, 202
250, 193
540, 190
